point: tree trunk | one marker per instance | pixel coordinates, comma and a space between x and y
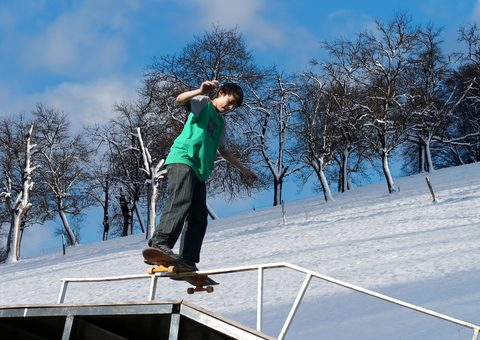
152, 209
140, 220
19, 208
133, 210
213, 215
13, 246
346, 155
428, 155
421, 158
277, 191
327, 193
125, 213
106, 219
16, 224
72, 239
387, 173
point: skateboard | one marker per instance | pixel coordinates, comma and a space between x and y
177, 270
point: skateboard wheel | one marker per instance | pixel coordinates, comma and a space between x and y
209, 289
151, 271
190, 291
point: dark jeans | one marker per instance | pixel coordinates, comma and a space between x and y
185, 209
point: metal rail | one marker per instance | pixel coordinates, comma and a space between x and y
261, 268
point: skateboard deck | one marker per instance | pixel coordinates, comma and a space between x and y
177, 270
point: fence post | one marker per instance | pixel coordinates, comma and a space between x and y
430, 188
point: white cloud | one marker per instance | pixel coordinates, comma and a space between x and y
85, 38
88, 103
71, 58
294, 45
85, 103
248, 16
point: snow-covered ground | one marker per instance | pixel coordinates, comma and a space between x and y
402, 245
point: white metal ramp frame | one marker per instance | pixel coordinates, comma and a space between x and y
260, 269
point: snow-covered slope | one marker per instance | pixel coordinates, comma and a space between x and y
402, 245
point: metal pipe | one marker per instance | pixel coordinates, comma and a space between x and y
153, 288
296, 304
63, 289
260, 298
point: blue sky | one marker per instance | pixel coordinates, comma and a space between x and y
82, 57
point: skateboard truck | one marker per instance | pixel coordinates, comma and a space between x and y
162, 269
200, 286
208, 289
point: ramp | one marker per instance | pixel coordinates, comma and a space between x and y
153, 320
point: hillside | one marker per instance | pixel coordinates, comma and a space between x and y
402, 245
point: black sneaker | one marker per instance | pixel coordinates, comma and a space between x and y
191, 264
163, 246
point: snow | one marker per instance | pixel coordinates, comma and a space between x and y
402, 245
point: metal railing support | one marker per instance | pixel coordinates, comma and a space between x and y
296, 304
260, 298
174, 326
67, 328
153, 288
63, 291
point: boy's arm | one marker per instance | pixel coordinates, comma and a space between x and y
251, 177
205, 88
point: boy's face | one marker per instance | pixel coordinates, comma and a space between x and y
224, 102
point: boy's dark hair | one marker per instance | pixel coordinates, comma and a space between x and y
233, 89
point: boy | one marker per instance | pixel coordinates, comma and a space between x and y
190, 163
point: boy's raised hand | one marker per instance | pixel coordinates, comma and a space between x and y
208, 85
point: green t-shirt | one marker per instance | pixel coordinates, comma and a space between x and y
197, 144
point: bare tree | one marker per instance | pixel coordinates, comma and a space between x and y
463, 133
99, 189
275, 108
315, 133
377, 62
125, 166
17, 151
63, 159
434, 106
347, 148
217, 54
125, 180
154, 173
